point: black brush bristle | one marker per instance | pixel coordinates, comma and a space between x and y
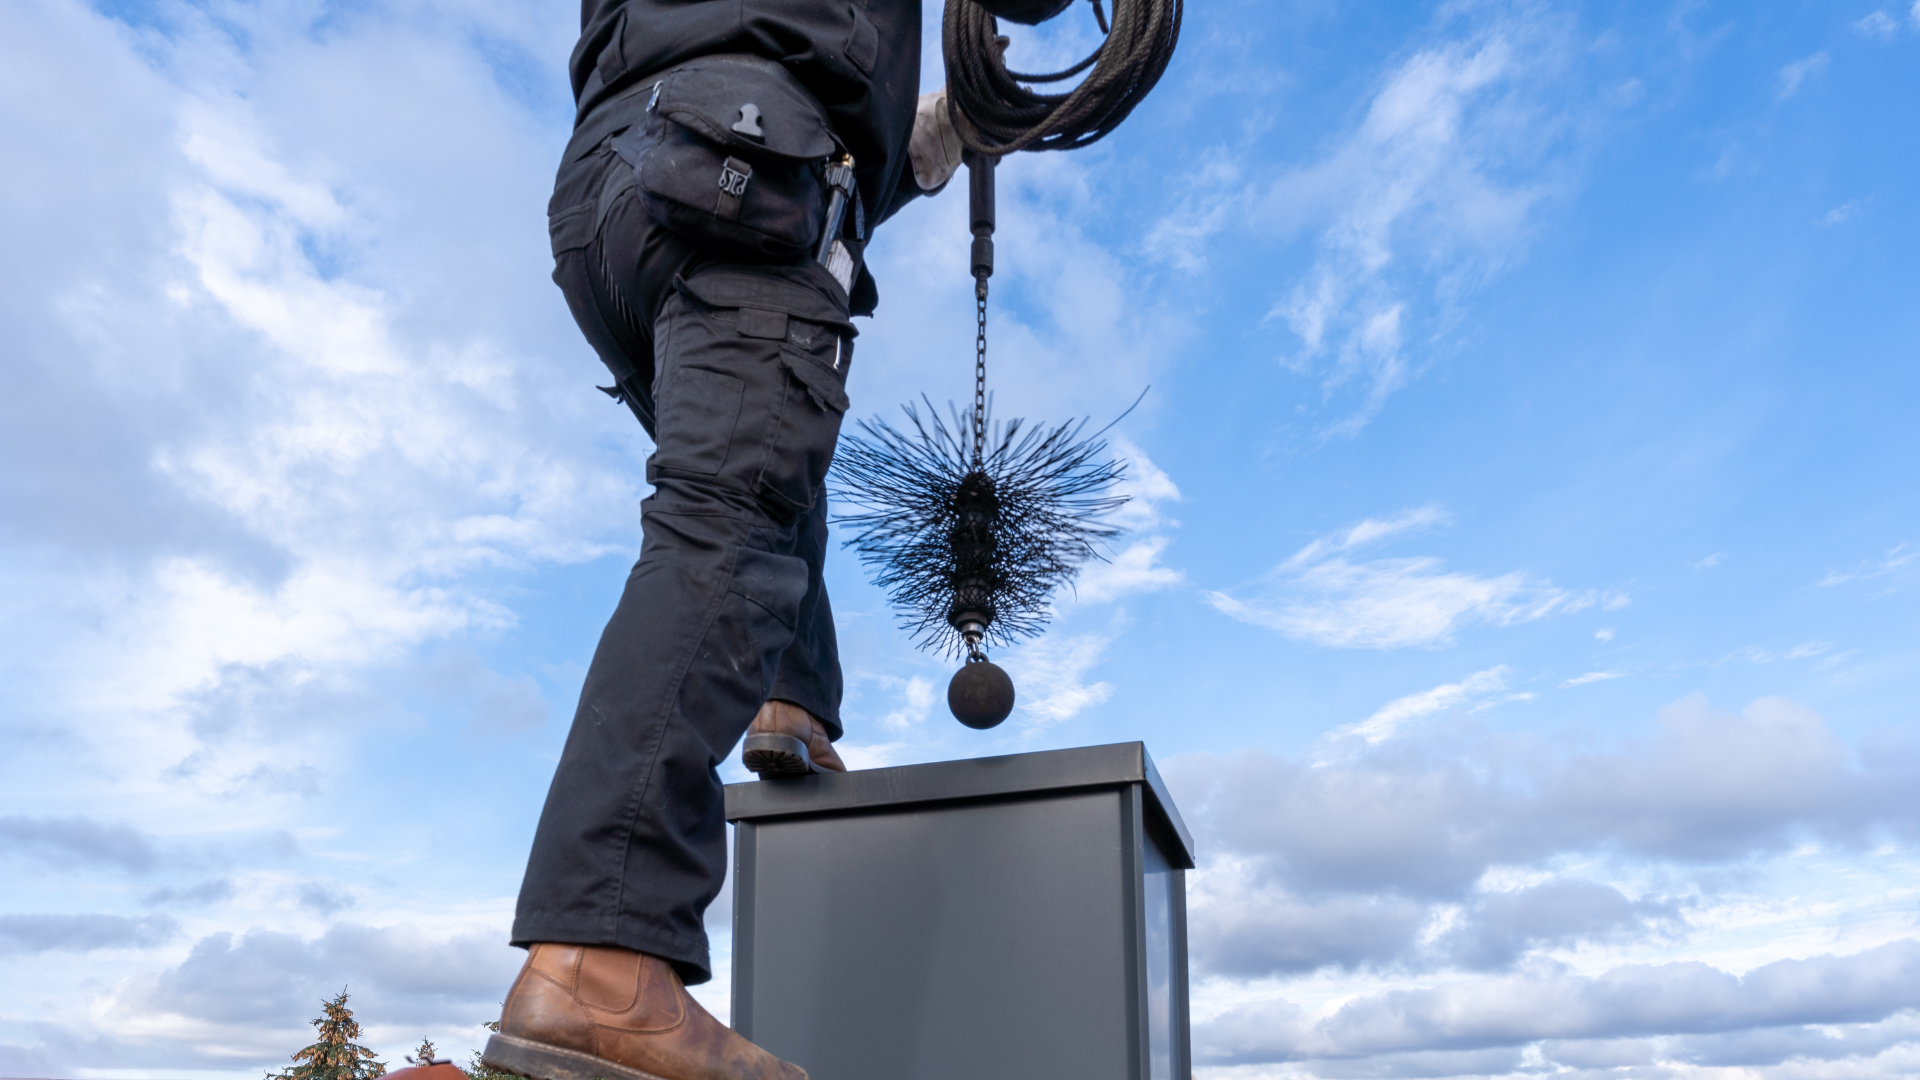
946, 534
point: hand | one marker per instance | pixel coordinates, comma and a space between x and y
934, 148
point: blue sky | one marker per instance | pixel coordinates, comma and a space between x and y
1519, 590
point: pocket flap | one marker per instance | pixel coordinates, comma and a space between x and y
820, 382
572, 228
744, 289
750, 105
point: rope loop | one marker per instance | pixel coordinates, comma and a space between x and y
996, 115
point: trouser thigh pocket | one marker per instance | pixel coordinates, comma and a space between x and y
813, 365
702, 369
789, 345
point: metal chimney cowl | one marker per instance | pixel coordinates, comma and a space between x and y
1019, 917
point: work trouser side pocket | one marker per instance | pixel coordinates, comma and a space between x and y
751, 386
702, 371
813, 405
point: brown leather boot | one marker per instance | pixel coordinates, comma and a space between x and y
581, 1012
787, 740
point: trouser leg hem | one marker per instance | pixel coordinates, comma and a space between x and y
691, 958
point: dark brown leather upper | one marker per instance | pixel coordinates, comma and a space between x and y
785, 718
630, 1009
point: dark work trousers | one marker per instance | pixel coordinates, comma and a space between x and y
741, 369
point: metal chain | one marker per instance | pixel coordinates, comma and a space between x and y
980, 376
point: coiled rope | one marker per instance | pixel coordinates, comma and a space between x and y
996, 115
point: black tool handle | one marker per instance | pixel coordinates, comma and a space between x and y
839, 191
980, 191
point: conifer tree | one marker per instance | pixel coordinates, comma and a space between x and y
425, 1054
335, 1056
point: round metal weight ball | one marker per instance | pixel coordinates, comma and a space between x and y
980, 695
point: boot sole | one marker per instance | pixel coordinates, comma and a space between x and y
776, 756
538, 1061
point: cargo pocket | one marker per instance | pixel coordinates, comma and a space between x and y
790, 343
813, 404
572, 228
698, 406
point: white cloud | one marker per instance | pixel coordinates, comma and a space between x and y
1497, 928
1430, 194
1802, 1052
1897, 559
1320, 596
1592, 677
26, 934
1443, 177
1370, 531
78, 840
916, 702
1242, 927
1218, 200
1083, 308
1754, 654
1342, 907
873, 755
1134, 568
1146, 487
1793, 76
1386, 913
1877, 24
1429, 814
232, 991
1710, 561
334, 464
1845, 212
1050, 677
1603, 634
283, 422
1627, 1001
1383, 723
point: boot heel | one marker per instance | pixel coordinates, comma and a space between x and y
776, 755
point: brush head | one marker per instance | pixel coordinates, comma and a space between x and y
954, 538
980, 695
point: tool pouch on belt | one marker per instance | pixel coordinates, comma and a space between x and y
730, 153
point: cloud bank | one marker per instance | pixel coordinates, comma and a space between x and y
1497, 885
